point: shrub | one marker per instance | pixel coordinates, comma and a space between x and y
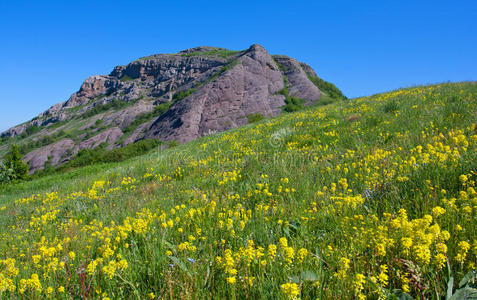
390, 107
252, 118
7, 173
126, 78
291, 103
161, 109
173, 144
14, 161
181, 95
4, 139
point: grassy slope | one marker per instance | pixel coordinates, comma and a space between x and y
333, 189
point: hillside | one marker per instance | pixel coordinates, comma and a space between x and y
168, 98
373, 197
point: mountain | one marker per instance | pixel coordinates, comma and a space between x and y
169, 97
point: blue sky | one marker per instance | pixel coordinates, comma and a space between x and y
49, 47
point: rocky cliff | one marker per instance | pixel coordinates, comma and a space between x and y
168, 97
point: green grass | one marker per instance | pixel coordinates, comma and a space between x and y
292, 104
340, 190
126, 78
182, 94
327, 87
223, 53
114, 104
252, 118
43, 141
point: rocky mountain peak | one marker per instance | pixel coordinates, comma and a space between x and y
179, 97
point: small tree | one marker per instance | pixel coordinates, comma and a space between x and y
6, 173
14, 161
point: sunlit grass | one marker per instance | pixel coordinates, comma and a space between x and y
372, 196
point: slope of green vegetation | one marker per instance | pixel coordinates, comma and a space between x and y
115, 104
327, 87
101, 154
146, 117
223, 53
182, 94
372, 197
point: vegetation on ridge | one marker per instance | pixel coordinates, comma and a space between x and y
356, 199
291, 103
223, 53
327, 87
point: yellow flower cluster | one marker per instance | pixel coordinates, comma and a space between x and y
291, 290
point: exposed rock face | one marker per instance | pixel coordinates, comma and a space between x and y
224, 103
92, 87
52, 153
109, 136
125, 117
208, 89
300, 86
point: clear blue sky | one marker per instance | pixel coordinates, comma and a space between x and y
49, 47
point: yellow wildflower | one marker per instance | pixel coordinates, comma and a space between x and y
290, 290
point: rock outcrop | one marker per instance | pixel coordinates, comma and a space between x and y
300, 86
53, 154
248, 87
168, 97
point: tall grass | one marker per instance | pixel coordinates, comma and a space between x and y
369, 197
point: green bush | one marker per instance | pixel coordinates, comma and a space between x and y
252, 118
291, 103
391, 107
13, 161
126, 78
7, 173
161, 109
181, 95
173, 144
4, 139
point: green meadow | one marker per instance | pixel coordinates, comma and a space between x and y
373, 197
